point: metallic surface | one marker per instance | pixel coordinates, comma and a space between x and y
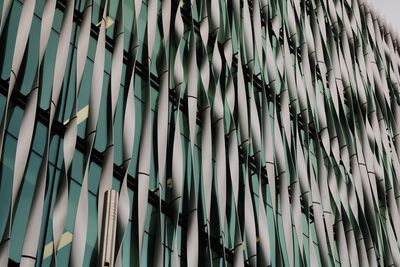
237, 133
109, 226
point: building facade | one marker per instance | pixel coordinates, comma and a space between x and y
210, 133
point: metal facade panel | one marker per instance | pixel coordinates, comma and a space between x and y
245, 133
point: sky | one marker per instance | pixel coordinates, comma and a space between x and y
389, 9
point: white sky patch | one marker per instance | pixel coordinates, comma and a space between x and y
389, 10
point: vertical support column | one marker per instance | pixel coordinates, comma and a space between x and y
109, 225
